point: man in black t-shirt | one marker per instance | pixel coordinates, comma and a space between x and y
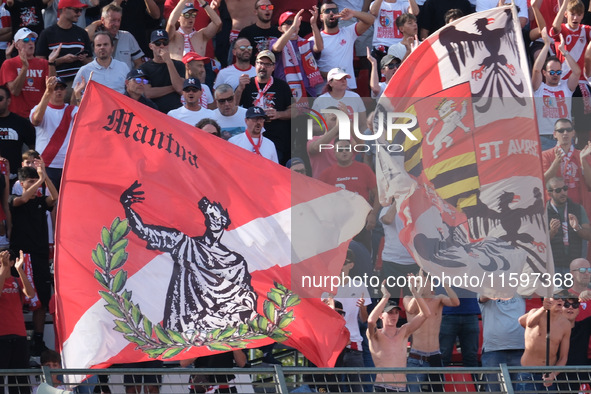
259, 34
166, 76
15, 131
77, 52
274, 96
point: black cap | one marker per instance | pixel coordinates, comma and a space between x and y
255, 112
60, 81
158, 35
391, 305
192, 83
136, 73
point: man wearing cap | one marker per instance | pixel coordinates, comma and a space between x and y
259, 34
186, 39
242, 69
295, 56
134, 87
274, 96
164, 74
228, 114
296, 164
127, 48
104, 69
339, 44
388, 344
78, 50
252, 139
53, 119
388, 66
191, 112
195, 68
25, 75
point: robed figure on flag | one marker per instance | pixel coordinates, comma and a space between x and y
173, 243
468, 184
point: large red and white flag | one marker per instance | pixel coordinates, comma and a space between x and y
468, 181
173, 243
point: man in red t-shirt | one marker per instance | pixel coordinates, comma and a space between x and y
25, 75
356, 177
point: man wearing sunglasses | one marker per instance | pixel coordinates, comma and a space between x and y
186, 38
165, 75
570, 163
228, 114
195, 68
339, 43
78, 51
553, 95
569, 226
241, 69
25, 74
259, 34
135, 82
191, 112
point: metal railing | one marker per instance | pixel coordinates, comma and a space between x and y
278, 379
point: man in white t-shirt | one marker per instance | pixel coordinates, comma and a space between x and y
191, 112
339, 42
228, 114
242, 51
252, 139
195, 68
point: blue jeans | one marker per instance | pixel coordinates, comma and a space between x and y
525, 383
467, 329
492, 359
433, 361
352, 358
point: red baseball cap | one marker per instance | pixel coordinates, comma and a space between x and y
70, 4
285, 16
190, 56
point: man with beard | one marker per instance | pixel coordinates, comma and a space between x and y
241, 69
259, 34
274, 97
104, 69
339, 44
186, 39
191, 112
252, 139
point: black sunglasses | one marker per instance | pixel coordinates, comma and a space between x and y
334, 10
574, 304
225, 100
161, 43
564, 129
558, 189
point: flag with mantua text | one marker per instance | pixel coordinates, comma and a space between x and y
469, 185
173, 243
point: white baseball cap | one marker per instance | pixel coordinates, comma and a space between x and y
337, 73
24, 32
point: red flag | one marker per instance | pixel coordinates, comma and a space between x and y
469, 185
173, 243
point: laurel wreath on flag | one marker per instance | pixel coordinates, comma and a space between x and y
155, 340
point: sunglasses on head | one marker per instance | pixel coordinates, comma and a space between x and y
31, 39
564, 129
558, 189
568, 304
190, 14
555, 72
161, 43
141, 81
226, 100
583, 270
265, 7
334, 10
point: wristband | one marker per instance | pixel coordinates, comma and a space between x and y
51, 63
204, 5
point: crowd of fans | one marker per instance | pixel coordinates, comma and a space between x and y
245, 70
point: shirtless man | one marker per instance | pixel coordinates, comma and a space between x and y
535, 343
388, 344
425, 351
186, 39
241, 13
